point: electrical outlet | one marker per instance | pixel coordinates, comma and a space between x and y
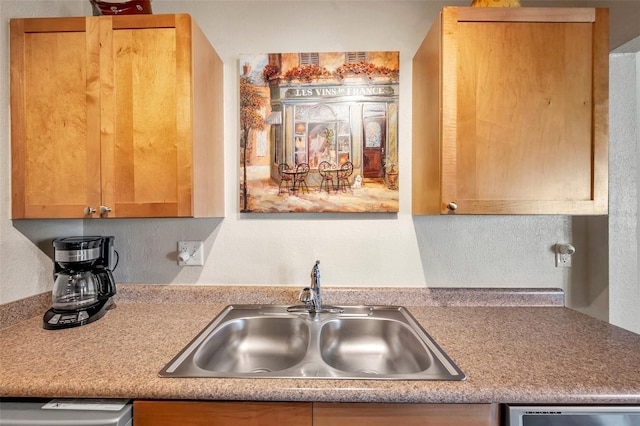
563, 255
563, 260
190, 253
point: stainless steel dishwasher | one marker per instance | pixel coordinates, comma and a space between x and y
65, 412
586, 415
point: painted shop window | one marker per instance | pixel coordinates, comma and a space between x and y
322, 133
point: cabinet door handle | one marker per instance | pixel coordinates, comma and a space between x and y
88, 211
104, 210
452, 206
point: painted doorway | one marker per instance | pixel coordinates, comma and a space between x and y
374, 126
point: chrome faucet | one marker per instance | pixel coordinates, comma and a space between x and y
312, 298
315, 283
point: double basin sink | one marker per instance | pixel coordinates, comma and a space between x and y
277, 341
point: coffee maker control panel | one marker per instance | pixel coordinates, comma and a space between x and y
54, 320
68, 318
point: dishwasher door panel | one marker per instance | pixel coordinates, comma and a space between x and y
588, 415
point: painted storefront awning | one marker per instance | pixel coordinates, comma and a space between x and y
274, 118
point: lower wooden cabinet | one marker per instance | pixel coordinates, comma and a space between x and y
369, 414
196, 413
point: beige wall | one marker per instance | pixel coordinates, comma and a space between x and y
624, 245
355, 250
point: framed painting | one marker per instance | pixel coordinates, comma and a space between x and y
319, 132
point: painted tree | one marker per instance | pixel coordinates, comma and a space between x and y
250, 119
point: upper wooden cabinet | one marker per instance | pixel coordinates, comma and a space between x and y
510, 112
115, 116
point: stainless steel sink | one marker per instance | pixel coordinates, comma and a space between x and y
270, 341
254, 345
373, 346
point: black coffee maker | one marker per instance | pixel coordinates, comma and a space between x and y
84, 287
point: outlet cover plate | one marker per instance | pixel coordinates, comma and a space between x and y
194, 250
563, 260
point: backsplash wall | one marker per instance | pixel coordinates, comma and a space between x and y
354, 250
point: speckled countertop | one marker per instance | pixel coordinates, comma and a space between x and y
514, 346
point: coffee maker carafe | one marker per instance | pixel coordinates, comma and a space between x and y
83, 289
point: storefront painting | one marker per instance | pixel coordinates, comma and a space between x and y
319, 132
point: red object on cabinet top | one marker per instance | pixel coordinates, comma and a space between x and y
131, 7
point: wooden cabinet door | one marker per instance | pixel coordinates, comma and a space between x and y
123, 112
55, 118
523, 108
162, 142
369, 414
202, 413
147, 138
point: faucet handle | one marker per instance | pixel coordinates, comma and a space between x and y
311, 304
308, 297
